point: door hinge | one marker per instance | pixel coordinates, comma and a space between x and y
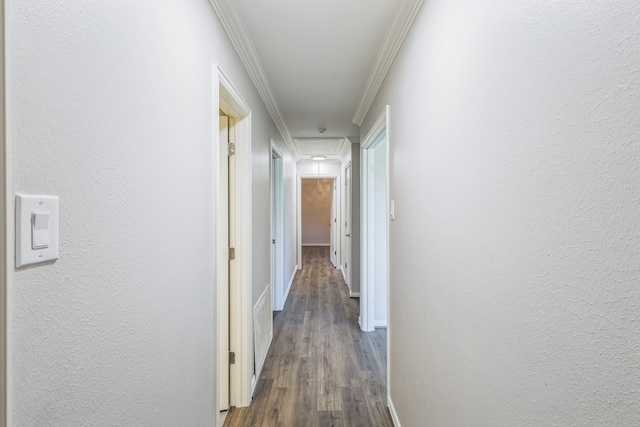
232, 358
232, 254
335, 253
231, 149
345, 265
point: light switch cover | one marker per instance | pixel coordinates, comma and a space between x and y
36, 229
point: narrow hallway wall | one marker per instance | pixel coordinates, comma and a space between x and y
514, 160
110, 107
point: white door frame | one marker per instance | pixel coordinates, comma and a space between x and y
228, 99
346, 252
338, 230
334, 236
379, 130
5, 248
277, 249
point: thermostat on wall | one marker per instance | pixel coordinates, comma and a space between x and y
36, 229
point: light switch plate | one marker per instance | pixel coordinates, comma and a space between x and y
26, 207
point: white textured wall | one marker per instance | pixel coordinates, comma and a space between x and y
110, 107
515, 163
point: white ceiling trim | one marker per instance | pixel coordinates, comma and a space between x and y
396, 34
339, 151
346, 147
237, 32
342, 150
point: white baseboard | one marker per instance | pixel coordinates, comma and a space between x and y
286, 294
354, 294
316, 244
392, 411
379, 323
254, 383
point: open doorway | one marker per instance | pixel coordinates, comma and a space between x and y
319, 215
316, 211
330, 172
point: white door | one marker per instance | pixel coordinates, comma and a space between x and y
346, 265
224, 273
333, 226
274, 233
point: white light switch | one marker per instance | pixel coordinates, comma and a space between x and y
36, 229
40, 230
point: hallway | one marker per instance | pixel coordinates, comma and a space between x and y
321, 370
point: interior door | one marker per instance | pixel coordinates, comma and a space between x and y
333, 225
223, 304
274, 233
346, 265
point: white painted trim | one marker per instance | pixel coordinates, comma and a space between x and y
392, 411
299, 178
286, 294
354, 295
241, 325
275, 149
6, 255
380, 324
343, 228
254, 383
276, 178
239, 36
342, 144
396, 33
378, 127
379, 130
260, 363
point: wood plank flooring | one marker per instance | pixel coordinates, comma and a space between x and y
321, 370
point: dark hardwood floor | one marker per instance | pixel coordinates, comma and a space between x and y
321, 370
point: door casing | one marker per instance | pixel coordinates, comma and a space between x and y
277, 228
346, 229
379, 131
5, 248
334, 236
227, 99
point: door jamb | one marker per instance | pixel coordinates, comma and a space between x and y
277, 258
346, 216
5, 249
299, 213
379, 130
228, 99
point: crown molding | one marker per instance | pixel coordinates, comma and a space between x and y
393, 40
342, 144
237, 32
345, 148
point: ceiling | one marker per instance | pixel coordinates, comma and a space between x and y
317, 64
